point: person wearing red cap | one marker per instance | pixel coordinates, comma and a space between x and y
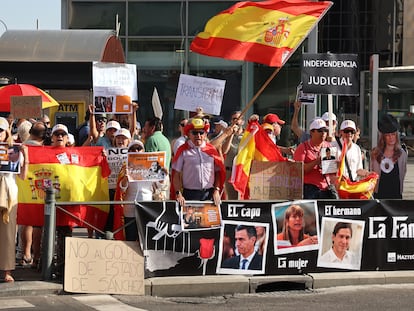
197, 168
276, 123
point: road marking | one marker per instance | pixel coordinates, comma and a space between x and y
15, 303
105, 303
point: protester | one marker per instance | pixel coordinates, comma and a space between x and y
8, 197
389, 160
353, 158
315, 184
197, 169
232, 142
177, 142
155, 140
272, 124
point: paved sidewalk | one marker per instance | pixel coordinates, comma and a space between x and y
29, 281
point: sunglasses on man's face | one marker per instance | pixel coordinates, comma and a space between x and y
195, 133
135, 149
322, 130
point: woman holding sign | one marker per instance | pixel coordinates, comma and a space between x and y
8, 206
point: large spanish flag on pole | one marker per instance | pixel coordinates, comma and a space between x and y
265, 32
77, 174
254, 145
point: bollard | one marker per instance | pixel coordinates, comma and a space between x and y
49, 233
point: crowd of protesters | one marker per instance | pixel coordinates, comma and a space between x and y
198, 163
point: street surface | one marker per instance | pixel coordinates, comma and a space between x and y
366, 298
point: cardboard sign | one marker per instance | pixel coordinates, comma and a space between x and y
103, 267
193, 92
276, 180
116, 157
26, 106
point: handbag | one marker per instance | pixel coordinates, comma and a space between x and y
333, 193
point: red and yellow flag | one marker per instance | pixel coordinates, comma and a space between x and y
357, 190
254, 145
77, 174
265, 32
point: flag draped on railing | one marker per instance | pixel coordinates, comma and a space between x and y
265, 32
254, 145
77, 174
361, 189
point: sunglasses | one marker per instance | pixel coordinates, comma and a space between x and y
1, 130
322, 130
347, 131
195, 133
59, 134
182, 124
101, 120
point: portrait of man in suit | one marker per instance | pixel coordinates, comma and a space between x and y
248, 258
13, 164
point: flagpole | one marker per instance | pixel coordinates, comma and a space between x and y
260, 91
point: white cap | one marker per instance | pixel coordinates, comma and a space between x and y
222, 123
348, 124
317, 124
60, 127
123, 132
71, 139
4, 125
325, 116
113, 124
136, 142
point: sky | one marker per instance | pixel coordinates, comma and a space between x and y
22, 14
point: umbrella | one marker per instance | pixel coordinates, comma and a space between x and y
24, 90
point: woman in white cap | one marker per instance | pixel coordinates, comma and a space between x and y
389, 160
9, 207
353, 159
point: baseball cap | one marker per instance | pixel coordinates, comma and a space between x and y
60, 127
113, 124
325, 116
123, 132
4, 125
136, 142
71, 139
196, 124
317, 124
348, 124
222, 123
272, 118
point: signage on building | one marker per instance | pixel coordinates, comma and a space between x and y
335, 74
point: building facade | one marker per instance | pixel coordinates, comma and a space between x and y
156, 36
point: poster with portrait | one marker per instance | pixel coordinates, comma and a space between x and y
200, 215
329, 163
146, 166
10, 158
341, 243
243, 247
296, 226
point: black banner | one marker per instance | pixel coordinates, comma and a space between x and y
335, 74
202, 239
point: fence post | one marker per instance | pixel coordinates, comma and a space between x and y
49, 233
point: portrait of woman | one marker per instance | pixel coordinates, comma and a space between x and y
296, 227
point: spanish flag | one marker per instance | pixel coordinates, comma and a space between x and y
355, 190
254, 145
265, 32
77, 174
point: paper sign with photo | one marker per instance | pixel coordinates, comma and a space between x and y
10, 158
329, 161
146, 165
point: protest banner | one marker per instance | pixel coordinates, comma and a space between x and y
114, 87
116, 157
103, 267
276, 180
335, 74
193, 92
26, 107
146, 165
383, 228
